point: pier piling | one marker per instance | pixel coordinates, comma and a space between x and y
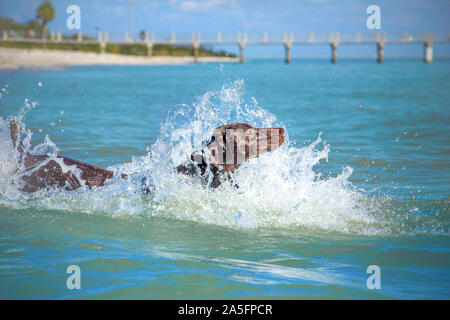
287, 47
241, 52
196, 49
149, 49
428, 52
380, 52
333, 52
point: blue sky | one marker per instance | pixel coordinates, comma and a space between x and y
252, 16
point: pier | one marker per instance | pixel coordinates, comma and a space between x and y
334, 39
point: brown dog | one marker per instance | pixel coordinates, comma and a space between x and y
230, 146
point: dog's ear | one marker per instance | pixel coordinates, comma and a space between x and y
14, 131
269, 139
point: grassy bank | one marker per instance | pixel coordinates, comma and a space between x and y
125, 49
34, 30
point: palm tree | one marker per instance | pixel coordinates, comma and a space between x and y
46, 13
142, 35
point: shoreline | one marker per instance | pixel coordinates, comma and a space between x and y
41, 59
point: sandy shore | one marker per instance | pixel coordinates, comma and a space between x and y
13, 59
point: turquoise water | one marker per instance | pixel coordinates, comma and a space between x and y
362, 179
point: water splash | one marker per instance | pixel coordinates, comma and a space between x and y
280, 189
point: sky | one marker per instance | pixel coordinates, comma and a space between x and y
252, 16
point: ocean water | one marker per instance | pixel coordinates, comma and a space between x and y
362, 179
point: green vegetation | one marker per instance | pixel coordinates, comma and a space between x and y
163, 50
33, 30
51, 46
126, 49
30, 27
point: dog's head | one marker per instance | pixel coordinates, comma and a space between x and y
233, 144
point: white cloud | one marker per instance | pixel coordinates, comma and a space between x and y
197, 5
189, 5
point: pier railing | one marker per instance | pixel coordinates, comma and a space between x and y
242, 39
